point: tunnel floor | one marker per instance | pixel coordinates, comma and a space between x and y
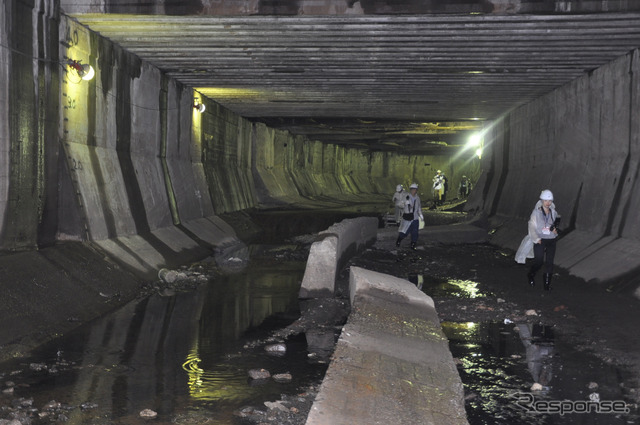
577, 341
186, 354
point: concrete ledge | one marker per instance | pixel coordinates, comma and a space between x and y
392, 363
338, 243
584, 254
53, 290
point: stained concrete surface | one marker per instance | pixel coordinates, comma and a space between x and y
392, 363
48, 292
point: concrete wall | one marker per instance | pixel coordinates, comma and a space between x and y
582, 141
124, 160
28, 123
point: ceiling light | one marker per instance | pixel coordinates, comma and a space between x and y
475, 140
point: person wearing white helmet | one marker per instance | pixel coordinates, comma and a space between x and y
438, 188
398, 200
543, 232
412, 214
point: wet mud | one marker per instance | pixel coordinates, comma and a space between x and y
576, 342
184, 348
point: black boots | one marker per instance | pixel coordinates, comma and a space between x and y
398, 241
532, 278
547, 280
413, 246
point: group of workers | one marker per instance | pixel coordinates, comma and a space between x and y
539, 243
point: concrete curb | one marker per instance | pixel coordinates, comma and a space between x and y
392, 363
337, 244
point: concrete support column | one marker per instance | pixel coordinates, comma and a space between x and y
28, 111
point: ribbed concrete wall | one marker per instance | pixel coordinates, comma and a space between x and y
126, 162
28, 123
582, 142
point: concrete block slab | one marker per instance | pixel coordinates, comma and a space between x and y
367, 282
392, 365
327, 256
320, 274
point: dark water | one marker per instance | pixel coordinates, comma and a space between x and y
183, 356
499, 364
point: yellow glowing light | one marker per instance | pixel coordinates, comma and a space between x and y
479, 153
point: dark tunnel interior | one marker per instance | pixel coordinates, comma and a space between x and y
170, 171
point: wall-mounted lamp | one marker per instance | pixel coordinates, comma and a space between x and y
84, 71
199, 106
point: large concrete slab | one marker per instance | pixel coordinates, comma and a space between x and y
337, 244
392, 363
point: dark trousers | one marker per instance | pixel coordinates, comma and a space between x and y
548, 247
413, 229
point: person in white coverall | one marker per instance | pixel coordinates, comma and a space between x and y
398, 201
411, 217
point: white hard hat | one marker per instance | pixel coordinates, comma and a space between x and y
439, 171
546, 195
398, 188
413, 186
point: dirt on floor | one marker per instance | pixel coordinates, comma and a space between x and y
480, 282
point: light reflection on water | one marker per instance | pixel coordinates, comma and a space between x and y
446, 287
181, 356
498, 361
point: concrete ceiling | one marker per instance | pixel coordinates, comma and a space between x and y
411, 82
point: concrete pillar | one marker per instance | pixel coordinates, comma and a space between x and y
28, 111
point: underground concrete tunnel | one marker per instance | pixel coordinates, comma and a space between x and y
158, 219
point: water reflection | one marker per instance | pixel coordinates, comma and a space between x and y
445, 287
499, 360
538, 342
171, 354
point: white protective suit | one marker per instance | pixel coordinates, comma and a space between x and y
526, 246
398, 200
413, 205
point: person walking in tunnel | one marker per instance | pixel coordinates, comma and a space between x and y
411, 217
398, 200
438, 188
465, 187
445, 189
543, 232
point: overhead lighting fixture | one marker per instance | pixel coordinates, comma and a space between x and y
82, 70
475, 140
199, 106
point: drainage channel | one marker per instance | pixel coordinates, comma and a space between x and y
526, 373
185, 356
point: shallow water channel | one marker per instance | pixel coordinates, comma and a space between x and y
499, 361
183, 356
